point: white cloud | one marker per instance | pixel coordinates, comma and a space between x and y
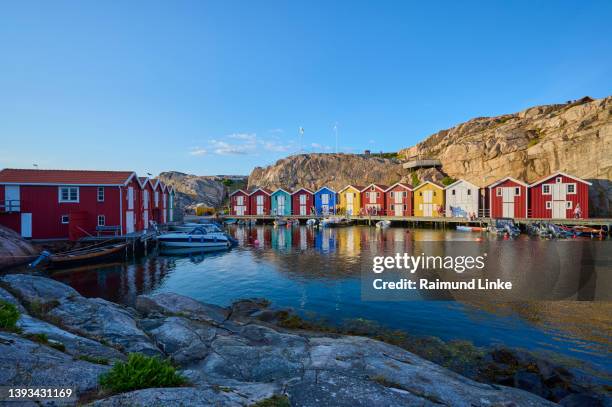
197, 151
247, 143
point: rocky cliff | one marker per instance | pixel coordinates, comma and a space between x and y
334, 170
13, 249
574, 137
192, 190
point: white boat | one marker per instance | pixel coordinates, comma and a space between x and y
311, 222
280, 222
185, 227
336, 222
383, 224
198, 237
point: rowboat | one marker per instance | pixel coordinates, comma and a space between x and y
462, 228
383, 224
87, 255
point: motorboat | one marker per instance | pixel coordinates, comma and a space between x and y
383, 224
336, 222
198, 237
462, 228
311, 222
280, 222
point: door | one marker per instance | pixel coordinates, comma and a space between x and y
325, 203
145, 197
428, 203
129, 222
303, 204
399, 209
427, 209
559, 210
559, 205
145, 218
260, 204
130, 198
11, 198
26, 225
349, 203
508, 202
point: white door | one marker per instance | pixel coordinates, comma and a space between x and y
280, 204
130, 198
427, 197
240, 211
26, 225
399, 209
427, 209
145, 197
559, 210
129, 222
11, 198
145, 218
349, 203
373, 197
508, 202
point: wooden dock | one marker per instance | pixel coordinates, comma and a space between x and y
435, 222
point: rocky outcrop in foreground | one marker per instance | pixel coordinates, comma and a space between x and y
229, 355
13, 249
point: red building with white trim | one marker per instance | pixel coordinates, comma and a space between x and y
508, 198
373, 199
559, 196
302, 202
146, 203
398, 200
61, 204
260, 202
239, 203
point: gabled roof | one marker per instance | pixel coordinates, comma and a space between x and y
281, 189
407, 186
508, 179
264, 190
459, 181
422, 184
302, 189
239, 190
556, 174
143, 181
324, 187
377, 186
357, 187
64, 177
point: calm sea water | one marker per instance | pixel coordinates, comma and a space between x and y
317, 272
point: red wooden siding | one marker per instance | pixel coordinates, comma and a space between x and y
520, 201
406, 200
234, 202
253, 202
537, 199
295, 202
378, 206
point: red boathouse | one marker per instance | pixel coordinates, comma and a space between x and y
61, 204
239, 203
260, 202
398, 200
302, 202
508, 198
559, 196
373, 199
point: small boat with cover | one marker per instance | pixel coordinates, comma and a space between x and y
198, 237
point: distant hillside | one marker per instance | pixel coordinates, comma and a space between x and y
209, 190
334, 170
575, 137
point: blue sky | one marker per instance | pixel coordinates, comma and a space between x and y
212, 88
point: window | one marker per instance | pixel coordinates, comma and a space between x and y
405, 194
420, 193
101, 220
548, 204
404, 207
392, 207
517, 191
391, 194
65, 219
452, 191
367, 194
571, 188
69, 194
469, 192
100, 194
434, 193
498, 191
156, 198
568, 204
546, 189
378, 195
559, 180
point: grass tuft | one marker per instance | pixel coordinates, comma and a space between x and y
9, 315
141, 372
94, 359
274, 401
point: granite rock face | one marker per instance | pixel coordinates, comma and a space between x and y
14, 250
229, 357
574, 137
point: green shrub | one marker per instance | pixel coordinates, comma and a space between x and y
9, 315
415, 180
274, 401
141, 372
40, 338
94, 359
446, 181
533, 142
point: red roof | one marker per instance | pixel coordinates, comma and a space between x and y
63, 177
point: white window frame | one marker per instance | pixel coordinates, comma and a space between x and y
569, 205
391, 194
103, 218
405, 193
573, 184
498, 191
517, 191
469, 191
548, 204
66, 221
558, 180
156, 198
69, 188
100, 193
544, 189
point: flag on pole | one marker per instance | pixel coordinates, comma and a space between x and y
301, 131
